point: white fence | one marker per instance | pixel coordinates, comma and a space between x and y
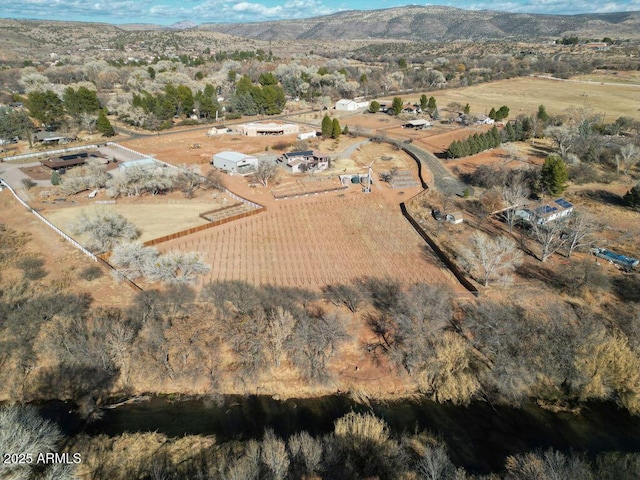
51, 225
47, 152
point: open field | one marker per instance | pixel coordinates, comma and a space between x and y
524, 95
316, 241
153, 216
62, 262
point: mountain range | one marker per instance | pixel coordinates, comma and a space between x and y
425, 23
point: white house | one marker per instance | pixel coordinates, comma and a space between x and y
235, 163
546, 212
347, 105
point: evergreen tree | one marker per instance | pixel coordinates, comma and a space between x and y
327, 127
554, 175
103, 125
431, 105
55, 178
542, 114
502, 113
492, 114
467, 109
335, 129
397, 105
632, 197
424, 102
374, 107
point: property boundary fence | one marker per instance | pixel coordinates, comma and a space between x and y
47, 152
51, 225
285, 196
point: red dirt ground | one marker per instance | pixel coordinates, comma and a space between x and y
314, 241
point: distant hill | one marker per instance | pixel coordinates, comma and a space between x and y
418, 23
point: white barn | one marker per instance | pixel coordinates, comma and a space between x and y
234, 163
347, 105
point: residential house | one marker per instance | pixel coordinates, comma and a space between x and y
543, 213
305, 160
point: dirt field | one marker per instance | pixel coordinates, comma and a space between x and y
311, 242
63, 262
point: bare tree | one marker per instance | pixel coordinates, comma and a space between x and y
562, 136
279, 329
176, 268
492, 256
580, 228
435, 464
628, 157
24, 433
551, 237
274, 455
265, 173
307, 451
104, 229
515, 191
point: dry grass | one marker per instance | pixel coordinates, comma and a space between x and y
153, 221
524, 95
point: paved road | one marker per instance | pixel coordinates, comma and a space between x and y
443, 179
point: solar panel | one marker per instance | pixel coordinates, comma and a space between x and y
563, 203
545, 209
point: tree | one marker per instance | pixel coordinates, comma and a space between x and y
265, 173
628, 157
274, 456
467, 109
580, 228
55, 178
45, 107
327, 127
431, 105
563, 137
25, 433
176, 268
514, 191
424, 102
632, 197
542, 114
335, 129
402, 63
397, 105
104, 229
279, 328
554, 175
491, 257
551, 237
374, 107
103, 125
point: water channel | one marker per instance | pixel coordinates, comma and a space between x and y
479, 436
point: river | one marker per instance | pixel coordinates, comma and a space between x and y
479, 436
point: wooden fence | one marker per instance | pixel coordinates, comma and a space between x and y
199, 228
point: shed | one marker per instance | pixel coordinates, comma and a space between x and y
235, 163
418, 124
143, 163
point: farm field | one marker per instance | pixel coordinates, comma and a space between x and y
316, 241
524, 95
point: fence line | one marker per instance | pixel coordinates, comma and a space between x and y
48, 152
206, 226
51, 225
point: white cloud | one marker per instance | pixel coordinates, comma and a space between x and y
200, 11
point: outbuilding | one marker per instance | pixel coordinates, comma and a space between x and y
350, 105
235, 163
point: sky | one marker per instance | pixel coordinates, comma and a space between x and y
167, 12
